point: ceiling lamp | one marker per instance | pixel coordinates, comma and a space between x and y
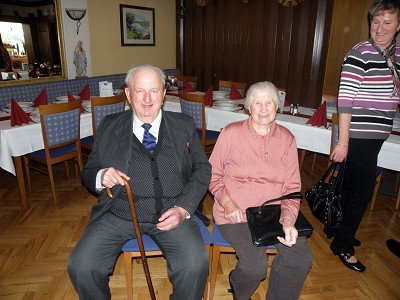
76, 15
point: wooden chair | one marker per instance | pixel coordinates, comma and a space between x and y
192, 80
227, 85
131, 251
334, 140
61, 137
220, 245
193, 105
101, 107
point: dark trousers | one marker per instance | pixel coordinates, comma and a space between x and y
358, 186
93, 259
289, 268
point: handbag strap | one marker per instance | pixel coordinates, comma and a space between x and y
295, 195
332, 168
337, 186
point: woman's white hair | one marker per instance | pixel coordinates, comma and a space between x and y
263, 86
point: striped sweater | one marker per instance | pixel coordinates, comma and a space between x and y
365, 91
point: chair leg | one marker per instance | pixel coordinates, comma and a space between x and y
128, 275
205, 294
377, 184
53, 187
216, 253
398, 200
313, 161
301, 158
28, 174
66, 168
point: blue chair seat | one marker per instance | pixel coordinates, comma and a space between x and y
53, 152
89, 140
210, 134
149, 245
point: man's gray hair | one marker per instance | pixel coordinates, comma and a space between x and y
131, 73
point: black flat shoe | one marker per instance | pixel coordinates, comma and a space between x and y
357, 266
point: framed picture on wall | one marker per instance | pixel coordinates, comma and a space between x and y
137, 25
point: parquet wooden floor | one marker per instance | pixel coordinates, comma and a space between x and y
35, 245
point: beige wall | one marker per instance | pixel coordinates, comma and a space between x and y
107, 54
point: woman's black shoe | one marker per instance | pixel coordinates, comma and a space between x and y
357, 266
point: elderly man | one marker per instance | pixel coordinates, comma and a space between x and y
159, 152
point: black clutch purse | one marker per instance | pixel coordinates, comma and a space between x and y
324, 198
264, 223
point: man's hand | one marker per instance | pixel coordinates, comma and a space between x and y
112, 177
171, 218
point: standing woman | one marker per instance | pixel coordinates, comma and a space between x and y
367, 102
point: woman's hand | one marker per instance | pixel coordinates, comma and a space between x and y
339, 153
290, 231
232, 212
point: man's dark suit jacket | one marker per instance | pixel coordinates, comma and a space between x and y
112, 148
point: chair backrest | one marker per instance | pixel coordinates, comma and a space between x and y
334, 131
193, 105
104, 106
225, 86
60, 124
192, 80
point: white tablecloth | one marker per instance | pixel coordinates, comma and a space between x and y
20, 140
311, 138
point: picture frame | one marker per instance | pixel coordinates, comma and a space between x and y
137, 25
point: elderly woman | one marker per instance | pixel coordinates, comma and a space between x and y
253, 161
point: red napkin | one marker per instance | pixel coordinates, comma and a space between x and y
41, 99
122, 87
187, 87
208, 97
72, 98
319, 117
286, 103
18, 76
85, 93
8, 68
18, 116
235, 95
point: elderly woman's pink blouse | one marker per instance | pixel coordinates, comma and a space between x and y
252, 168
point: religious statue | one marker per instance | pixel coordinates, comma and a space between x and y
80, 60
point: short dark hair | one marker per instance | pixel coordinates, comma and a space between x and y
379, 6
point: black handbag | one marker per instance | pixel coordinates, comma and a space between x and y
264, 223
324, 198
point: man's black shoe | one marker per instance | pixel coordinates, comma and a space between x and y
394, 247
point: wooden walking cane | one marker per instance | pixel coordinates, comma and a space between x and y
138, 235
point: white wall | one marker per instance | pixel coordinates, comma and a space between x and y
71, 38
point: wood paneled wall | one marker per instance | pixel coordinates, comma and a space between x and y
349, 27
260, 40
